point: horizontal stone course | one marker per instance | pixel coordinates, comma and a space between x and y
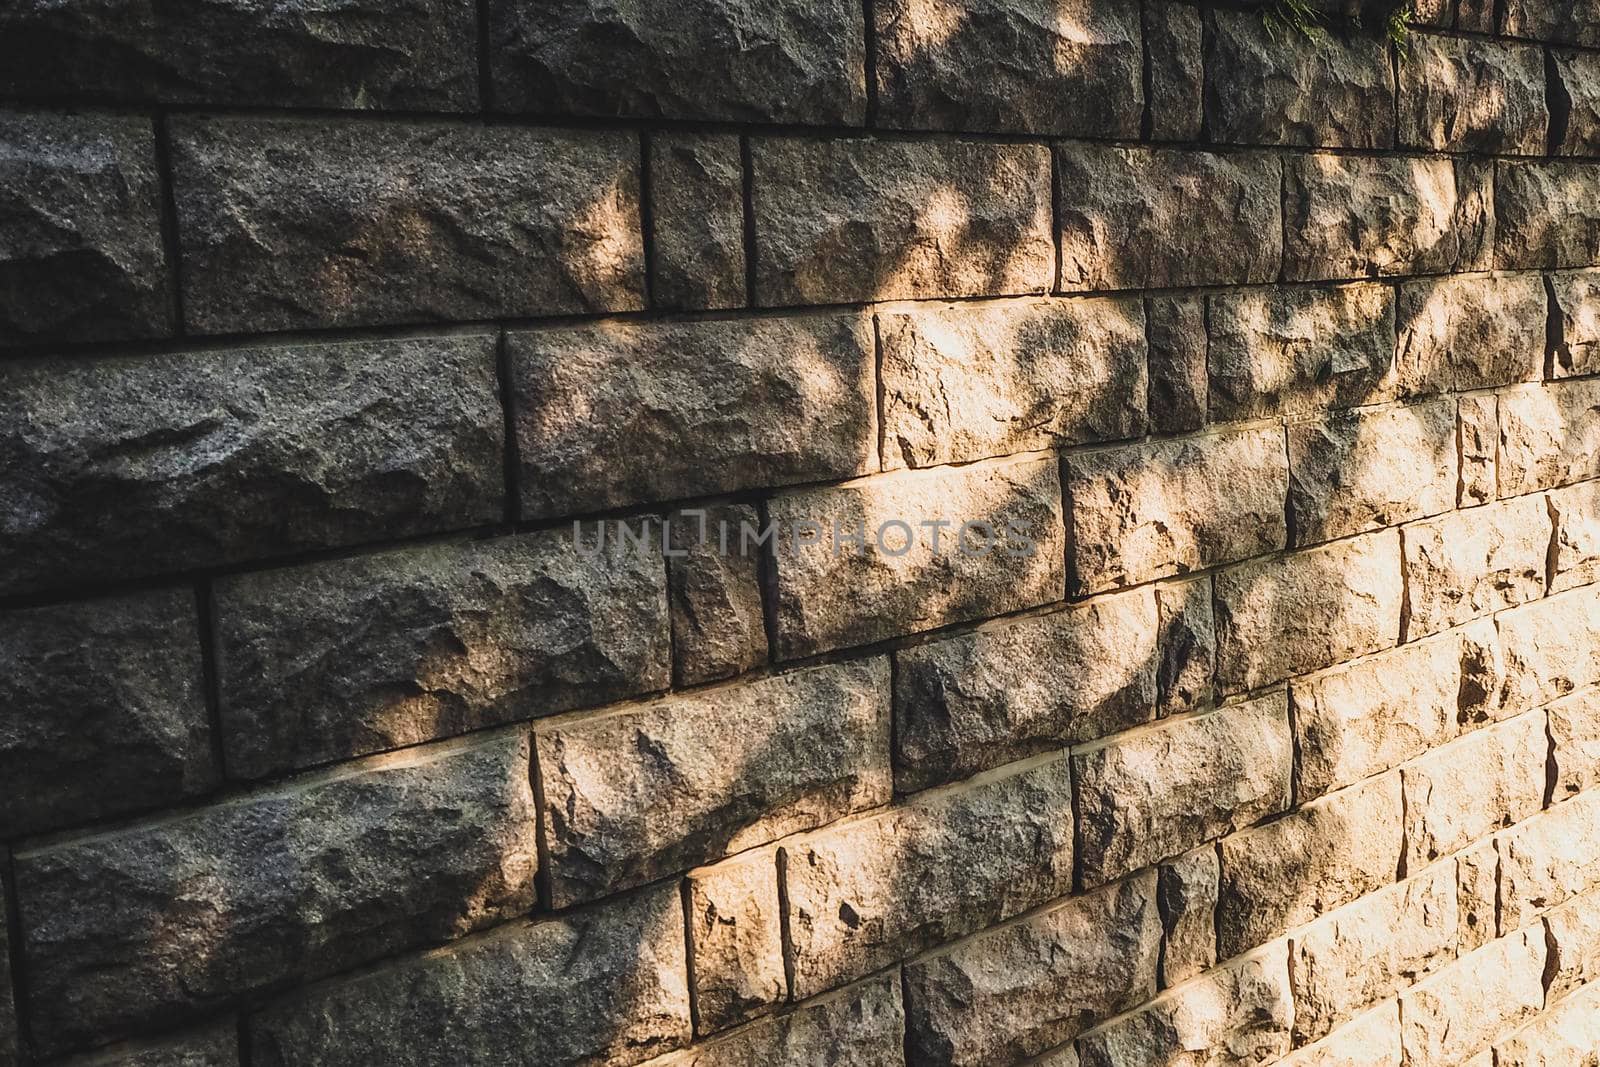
214, 1045
1371, 1041
1474, 562
1459, 1011
1547, 860
1549, 436
1464, 791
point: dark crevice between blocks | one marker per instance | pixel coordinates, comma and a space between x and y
1557, 353
686, 895
747, 164
12, 917
1558, 101
647, 221
767, 579
170, 243
1147, 116
1552, 552
205, 604
785, 935
511, 455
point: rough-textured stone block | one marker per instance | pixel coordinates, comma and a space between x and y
1280, 351
1265, 86
1567, 1034
1575, 561
1470, 563
1366, 216
1172, 41
736, 60
1575, 742
1010, 993
1371, 1041
1477, 893
971, 381
1551, 647
1549, 436
1363, 953
735, 941
1186, 671
640, 793
140, 927
1459, 94
1574, 943
202, 458
1363, 718
1547, 214
715, 589
985, 698
1162, 790
216, 1045
102, 710
1578, 77
1479, 432
847, 220
1464, 791
1459, 1011
1476, 16
697, 211
1152, 218
1488, 692
353, 656
1158, 508
1470, 332
80, 204
1564, 21
914, 568
287, 223
862, 1026
1176, 330
1236, 1014
1574, 321
601, 986
1187, 893
1364, 470
1067, 67
610, 414
1307, 610
863, 894
1548, 860
1319, 857
372, 54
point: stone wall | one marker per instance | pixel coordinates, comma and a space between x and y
1253, 719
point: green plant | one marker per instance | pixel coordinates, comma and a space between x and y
1393, 17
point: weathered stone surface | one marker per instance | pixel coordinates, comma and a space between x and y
1363, 953
196, 459
1578, 78
1013, 992
1575, 742
80, 204
735, 944
697, 211
695, 408
1264, 86
1574, 321
1371, 1041
1470, 563
1188, 645
1551, 647
717, 624
1188, 898
971, 381
1464, 791
287, 223
1160, 791
1370, 216
914, 569
989, 697
600, 986
1479, 432
10, 1041
1548, 859
1176, 330
1364, 470
1153, 218
1069, 68
1278, 351
1549, 436
742, 61
1319, 857
374, 54
1461, 94
1470, 332
1565, 21
1459, 1011
1547, 214
846, 220
1488, 688
102, 710
1476, 16
1158, 508
643, 792
361, 655
143, 926
1574, 944
864, 894
1477, 890
1567, 1034
1307, 611
216, 1045
862, 1026
1237, 1014
1363, 718
1172, 41
1575, 510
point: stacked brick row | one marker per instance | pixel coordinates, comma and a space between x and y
1264, 727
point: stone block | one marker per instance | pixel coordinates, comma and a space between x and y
1461, 94
1176, 330
1575, 511
697, 215
1470, 332
1459, 1011
1551, 647
1185, 673
1562, 21
1172, 40
1479, 433
1464, 791
1577, 74
1474, 562
1549, 436
1477, 895
1371, 1041
1575, 742
1549, 859
735, 941
863, 1026
718, 627
214, 1045
1187, 893
1575, 321
1547, 215
1568, 1033
1573, 939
